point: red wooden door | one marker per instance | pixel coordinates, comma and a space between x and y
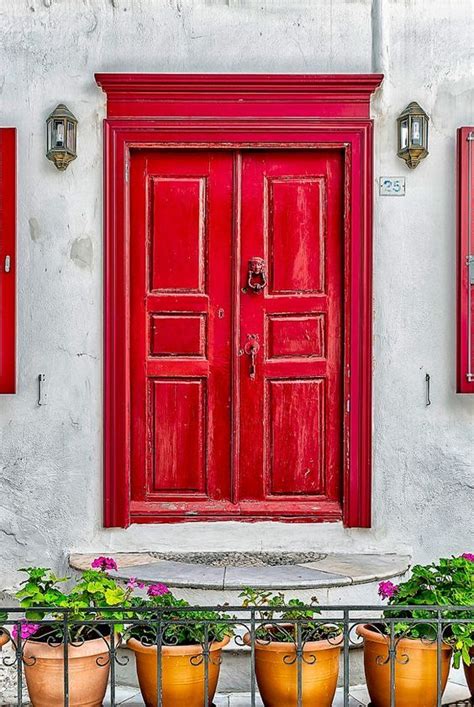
215, 430
291, 408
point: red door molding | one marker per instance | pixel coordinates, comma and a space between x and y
465, 266
240, 112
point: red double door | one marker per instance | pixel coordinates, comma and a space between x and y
236, 369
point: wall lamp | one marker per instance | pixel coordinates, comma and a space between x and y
61, 137
412, 126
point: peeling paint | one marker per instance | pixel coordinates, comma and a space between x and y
82, 252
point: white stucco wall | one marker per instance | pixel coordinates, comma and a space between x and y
50, 457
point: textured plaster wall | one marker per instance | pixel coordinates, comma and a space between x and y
50, 457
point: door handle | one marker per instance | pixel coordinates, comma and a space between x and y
251, 348
257, 275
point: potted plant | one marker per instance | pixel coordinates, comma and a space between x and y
450, 582
469, 662
279, 642
87, 633
186, 638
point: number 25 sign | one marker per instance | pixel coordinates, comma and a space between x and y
392, 186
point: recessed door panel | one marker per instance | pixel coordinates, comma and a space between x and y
180, 320
291, 381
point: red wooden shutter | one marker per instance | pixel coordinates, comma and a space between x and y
7, 259
465, 262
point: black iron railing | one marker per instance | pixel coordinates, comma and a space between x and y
250, 628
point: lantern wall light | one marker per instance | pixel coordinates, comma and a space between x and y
61, 137
412, 126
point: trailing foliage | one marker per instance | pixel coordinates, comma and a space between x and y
450, 582
280, 625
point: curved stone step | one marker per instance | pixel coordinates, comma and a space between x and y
333, 578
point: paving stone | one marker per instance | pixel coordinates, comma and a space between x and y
362, 567
123, 559
177, 574
124, 695
281, 577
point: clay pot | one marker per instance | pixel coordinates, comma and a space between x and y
4, 637
415, 669
469, 673
182, 673
276, 669
88, 669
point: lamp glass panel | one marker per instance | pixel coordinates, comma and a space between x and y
71, 137
59, 136
403, 134
50, 135
417, 132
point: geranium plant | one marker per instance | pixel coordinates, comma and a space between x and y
91, 599
178, 628
449, 582
278, 624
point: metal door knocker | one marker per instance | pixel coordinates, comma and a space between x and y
257, 276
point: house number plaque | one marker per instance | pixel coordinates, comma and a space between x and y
392, 186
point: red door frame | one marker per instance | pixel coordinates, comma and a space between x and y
240, 112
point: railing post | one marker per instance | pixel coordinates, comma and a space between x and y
159, 661
112, 665
66, 658
439, 636
19, 665
299, 664
206, 664
252, 658
346, 636
392, 661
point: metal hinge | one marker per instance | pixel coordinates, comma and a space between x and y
470, 137
7, 263
127, 171
470, 265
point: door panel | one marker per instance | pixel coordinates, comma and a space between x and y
180, 278
291, 411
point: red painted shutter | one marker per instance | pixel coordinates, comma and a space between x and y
7, 259
465, 262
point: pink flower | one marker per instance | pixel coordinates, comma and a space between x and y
104, 564
387, 589
26, 630
133, 582
468, 556
157, 590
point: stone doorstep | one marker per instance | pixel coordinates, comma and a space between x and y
332, 570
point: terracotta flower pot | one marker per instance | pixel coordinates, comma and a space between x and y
88, 669
4, 637
469, 673
182, 673
276, 669
415, 669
